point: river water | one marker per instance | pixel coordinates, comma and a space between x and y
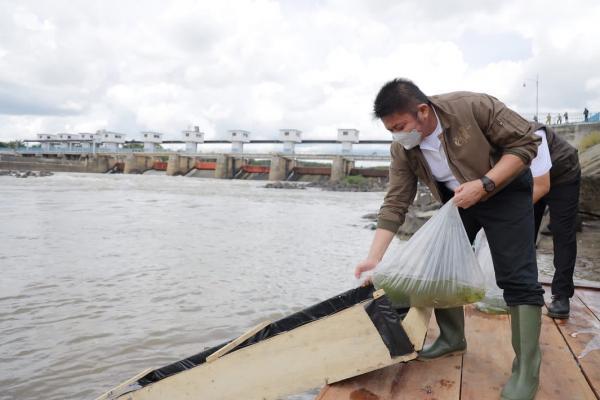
106, 275
103, 276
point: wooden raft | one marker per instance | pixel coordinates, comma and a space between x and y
482, 371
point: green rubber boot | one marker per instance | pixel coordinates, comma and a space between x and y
526, 323
452, 334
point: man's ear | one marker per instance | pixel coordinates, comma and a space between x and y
424, 110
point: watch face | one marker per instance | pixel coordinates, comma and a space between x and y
488, 184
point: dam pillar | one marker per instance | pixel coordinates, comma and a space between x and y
131, 165
224, 167
338, 169
278, 170
185, 164
97, 164
148, 163
349, 166
173, 167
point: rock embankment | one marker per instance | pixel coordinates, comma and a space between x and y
589, 197
25, 174
418, 213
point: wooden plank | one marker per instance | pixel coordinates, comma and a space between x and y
488, 360
582, 332
236, 342
415, 325
373, 385
342, 345
591, 299
116, 391
579, 283
431, 380
439, 379
486, 371
560, 376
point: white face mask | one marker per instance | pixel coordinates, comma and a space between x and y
408, 140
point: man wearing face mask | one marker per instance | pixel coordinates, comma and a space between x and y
471, 149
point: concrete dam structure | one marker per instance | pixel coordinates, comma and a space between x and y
221, 166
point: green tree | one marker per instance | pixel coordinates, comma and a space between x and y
15, 144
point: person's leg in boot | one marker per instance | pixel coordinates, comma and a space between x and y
525, 326
563, 201
507, 219
451, 340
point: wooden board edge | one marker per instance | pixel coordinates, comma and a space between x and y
236, 342
415, 325
579, 283
109, 395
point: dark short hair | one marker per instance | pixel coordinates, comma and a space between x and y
398, 95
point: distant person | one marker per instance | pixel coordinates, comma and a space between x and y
566, 117
559, 119
586, 112
548, 119
535, 118
556, 180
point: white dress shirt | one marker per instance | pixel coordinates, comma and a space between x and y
434, 154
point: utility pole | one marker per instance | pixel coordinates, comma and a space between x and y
537, 94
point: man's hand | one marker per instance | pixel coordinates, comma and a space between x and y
469, 194
363, 267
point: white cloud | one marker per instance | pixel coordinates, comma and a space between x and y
263, 65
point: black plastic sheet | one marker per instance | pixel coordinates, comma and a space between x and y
388, 320
384, 317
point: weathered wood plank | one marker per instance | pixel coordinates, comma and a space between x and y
415, 325
431, 380
236, 342
439, 380
591, 298
580, 331
488, 360
116, 391
579, 283
560, 375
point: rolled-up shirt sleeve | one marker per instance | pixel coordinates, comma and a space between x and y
507, 130
401, 191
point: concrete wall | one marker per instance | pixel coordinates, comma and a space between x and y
574, 132
98, 164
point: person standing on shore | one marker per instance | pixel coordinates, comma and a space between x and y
556, 181
558, 119
548, 119
586, 112
467, 148
566, 115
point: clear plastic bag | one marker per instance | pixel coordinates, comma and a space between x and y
435, 268
493, 302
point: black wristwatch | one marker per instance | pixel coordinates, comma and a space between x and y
488, 184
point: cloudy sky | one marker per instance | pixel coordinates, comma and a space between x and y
314, 65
